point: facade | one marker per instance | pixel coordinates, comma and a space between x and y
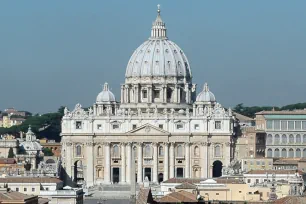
44, 187
7, 142
169, 130
284, 131
256, 164
254, 177
7, 121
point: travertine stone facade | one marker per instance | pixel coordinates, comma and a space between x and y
172, 132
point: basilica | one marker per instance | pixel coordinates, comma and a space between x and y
161, 126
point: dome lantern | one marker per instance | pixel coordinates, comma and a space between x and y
159, 27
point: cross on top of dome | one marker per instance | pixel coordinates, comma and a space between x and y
105, 87
158, 27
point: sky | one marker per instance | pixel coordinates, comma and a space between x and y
55, 53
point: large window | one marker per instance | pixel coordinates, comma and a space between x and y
180, 151
161, 151
298, 139
78, 150
304, 138
284, 124
276, 139
291, 125
276, 152
269, 153
297, 125
156, 93
269, 139
147, 151
291, 153
180, 126
269, 124
217, 125
298, 153
276, 124
304, 152
284, 153
144, 94
304, 125
217, 151
99, 150
291, 139
116, 151
284, 139
78, 125
196, 151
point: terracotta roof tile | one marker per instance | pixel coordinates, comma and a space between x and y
179, 197
144, 196
291, 200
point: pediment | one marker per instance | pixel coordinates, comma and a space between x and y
148, 129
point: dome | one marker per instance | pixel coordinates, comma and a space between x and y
158, 56
105, 95
206, 95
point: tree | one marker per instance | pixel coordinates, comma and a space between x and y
47, 152
11, 153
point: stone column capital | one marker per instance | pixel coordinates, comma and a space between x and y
155, 144
106, 143
166, 143
90, 144
69, 144
187, 144
122, 143
139, 144
172, 144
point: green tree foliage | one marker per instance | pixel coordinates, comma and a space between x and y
47, 152
47, 125
11, 153
250, 111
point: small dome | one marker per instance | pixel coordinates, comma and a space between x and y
106, 95
206, 95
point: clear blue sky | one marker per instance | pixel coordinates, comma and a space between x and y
55, 53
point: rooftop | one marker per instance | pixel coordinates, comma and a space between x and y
30, 180
179, 197
198, 180
284, 112
273, 171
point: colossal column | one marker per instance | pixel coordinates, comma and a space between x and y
204, 153
123, 160
172, 160
166, 161
139, 161
90, 163
187, 161
155, 161
107, 162
129, 162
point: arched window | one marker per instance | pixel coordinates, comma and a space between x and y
298, 153
304, 138
116, 151
217, 151
147, 151
304, 152
298, 139
276, 152
284, 139
180, 151
269, 153
196, 151
291, 153
99, 151
291, 139
269, 139
161, 151
78, 150
276, 139
284, 153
